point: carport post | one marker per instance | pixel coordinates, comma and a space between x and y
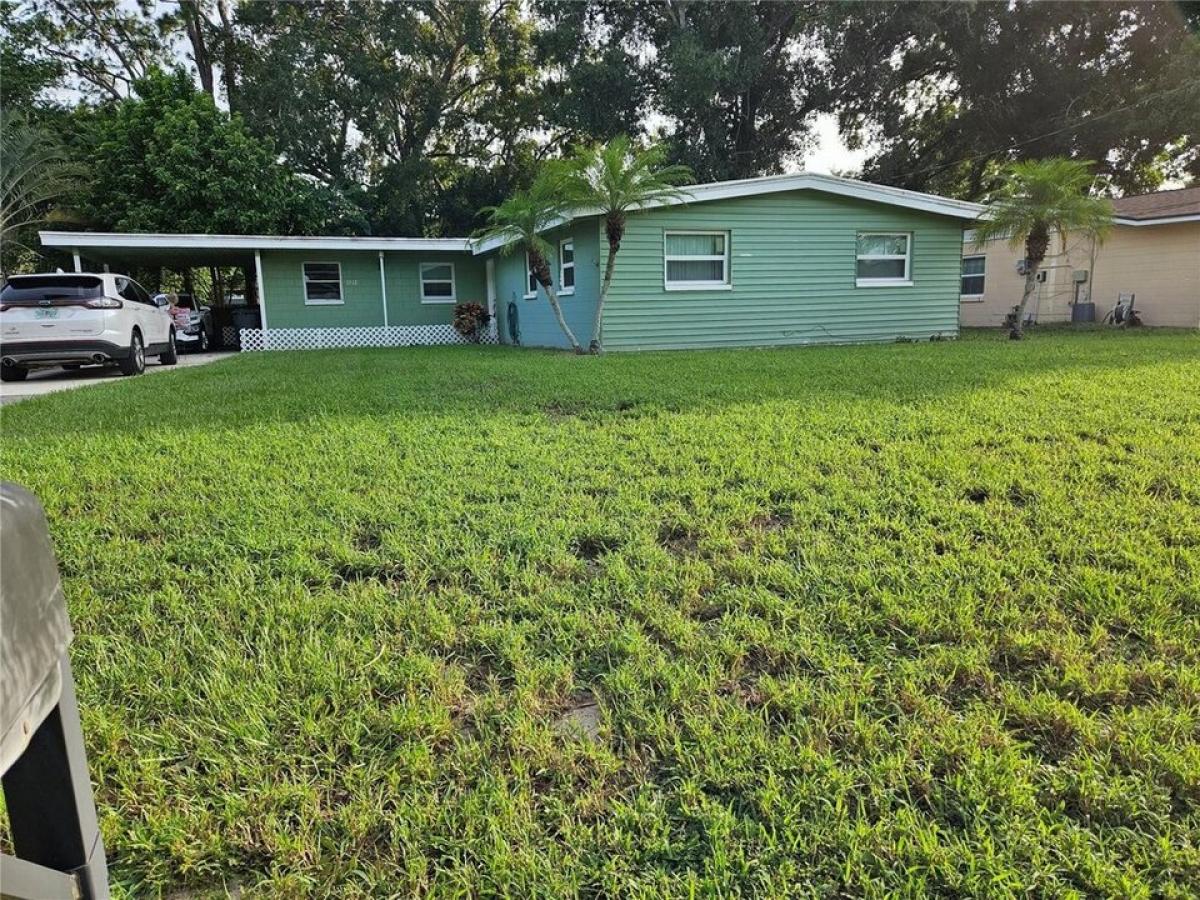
383, 288
262, 297
78, 261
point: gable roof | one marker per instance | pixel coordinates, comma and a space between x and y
1182, 205
770, 184
110, 243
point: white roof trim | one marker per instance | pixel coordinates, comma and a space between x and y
118, 241
831, 184
770, 184
1165, 220
699, 193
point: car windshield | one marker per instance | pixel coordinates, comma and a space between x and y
36, 288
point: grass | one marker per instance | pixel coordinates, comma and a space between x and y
889, 620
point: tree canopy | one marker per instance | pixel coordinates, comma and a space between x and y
168, 160
405, 118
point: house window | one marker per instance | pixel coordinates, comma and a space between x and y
883, 258
695, 259
437, 283
973, 275
322, 283
531, 283
566, 266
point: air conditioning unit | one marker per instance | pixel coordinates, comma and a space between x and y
1079, 276
1041, 276
1022, 267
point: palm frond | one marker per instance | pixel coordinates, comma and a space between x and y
1050, 194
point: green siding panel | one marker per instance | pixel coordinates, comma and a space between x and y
283, 285
535, 317
792, 264
361, 294
404, 287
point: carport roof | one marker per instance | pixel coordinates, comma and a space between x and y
222, 249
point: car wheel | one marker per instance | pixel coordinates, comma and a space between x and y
13, 373
135, 362
171, 356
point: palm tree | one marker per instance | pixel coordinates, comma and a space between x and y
1038, 198
520, 221
615, 179
35, 173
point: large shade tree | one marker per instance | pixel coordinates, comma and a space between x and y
615, 179
520, 223
1036, 201
168, 159
943, 94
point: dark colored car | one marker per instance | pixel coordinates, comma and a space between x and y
199, 333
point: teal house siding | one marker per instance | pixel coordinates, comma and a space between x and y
792, 265
403, 271
362, 297
283, 285
538, 327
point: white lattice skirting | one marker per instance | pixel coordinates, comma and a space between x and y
330, 338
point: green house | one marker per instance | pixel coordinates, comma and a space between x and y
790, 259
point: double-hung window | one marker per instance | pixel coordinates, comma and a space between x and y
973, 276
437, 283
531, 283
566, 266
883, 258
695, 260
322, 283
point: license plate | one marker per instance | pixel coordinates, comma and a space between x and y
45, 313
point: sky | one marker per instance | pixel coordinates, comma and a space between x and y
830, 155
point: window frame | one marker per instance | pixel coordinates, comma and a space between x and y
422, 281
724, 285
529, 294
563, 290
322, 301
973, 298
905, 281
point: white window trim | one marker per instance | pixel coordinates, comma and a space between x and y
453, 298
725, 285
973, 298
341, 301
529, 295
562, 268
905, 281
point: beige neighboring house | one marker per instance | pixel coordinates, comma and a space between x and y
1152, 252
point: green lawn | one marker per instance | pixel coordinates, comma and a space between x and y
906, 619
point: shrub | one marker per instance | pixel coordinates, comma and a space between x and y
470, 319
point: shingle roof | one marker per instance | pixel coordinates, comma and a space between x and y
1159, 205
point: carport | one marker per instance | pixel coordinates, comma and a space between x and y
308, 293
122, 252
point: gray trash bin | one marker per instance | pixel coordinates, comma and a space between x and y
43, 767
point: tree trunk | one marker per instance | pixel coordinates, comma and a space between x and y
228, 54
194, 21
614, 229
1035, 252
540, 270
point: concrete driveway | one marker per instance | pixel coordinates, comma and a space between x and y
47, 381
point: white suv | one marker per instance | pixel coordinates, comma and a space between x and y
76, 319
